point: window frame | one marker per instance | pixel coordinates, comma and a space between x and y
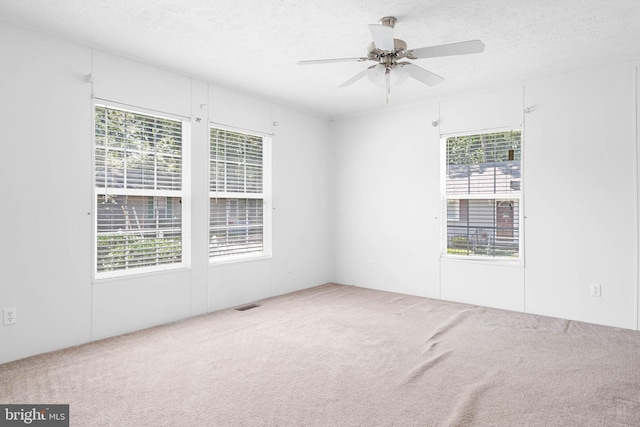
183, 194
267, 142
517, 195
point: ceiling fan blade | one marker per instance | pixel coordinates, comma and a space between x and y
419, 73
330, 61
382, 36
357, 77
460, 48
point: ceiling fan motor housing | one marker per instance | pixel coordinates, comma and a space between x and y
382, 56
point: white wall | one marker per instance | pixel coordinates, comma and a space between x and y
386, 230
46, 133
582, 133
580, 198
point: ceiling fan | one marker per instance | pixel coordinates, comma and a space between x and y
391, 54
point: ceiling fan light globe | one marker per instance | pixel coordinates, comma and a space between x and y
398, 75
377, 75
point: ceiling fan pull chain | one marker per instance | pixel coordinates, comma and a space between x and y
387, 75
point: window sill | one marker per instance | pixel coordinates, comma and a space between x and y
505, 262
213, 262
133, 275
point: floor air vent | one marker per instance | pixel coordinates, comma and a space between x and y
247, 307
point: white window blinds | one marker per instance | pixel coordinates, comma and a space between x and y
236, 184
484, 163
482, 194
138, 178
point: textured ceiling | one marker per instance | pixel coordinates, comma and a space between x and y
253, 46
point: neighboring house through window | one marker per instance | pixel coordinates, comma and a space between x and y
238, 218
482, 193
138, 163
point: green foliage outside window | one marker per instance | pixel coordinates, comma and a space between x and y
119, 251
484, 148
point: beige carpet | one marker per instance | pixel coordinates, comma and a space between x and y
343, 356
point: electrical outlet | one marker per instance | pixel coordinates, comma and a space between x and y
596, 290
289, 268
9, 316
371, 265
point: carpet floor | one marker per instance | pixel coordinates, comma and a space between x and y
337, 355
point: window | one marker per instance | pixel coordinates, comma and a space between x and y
237, 178
482, 193
138, 162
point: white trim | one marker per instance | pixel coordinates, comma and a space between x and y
501, 261
113, 191
130, 108
186, 169
523, 216
485, 196
636, 159
443, 195
480, 132
233, 195
94, 210
239, 129
235, 259
267, 192
119, 275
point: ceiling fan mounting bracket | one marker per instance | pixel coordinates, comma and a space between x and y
388, 21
